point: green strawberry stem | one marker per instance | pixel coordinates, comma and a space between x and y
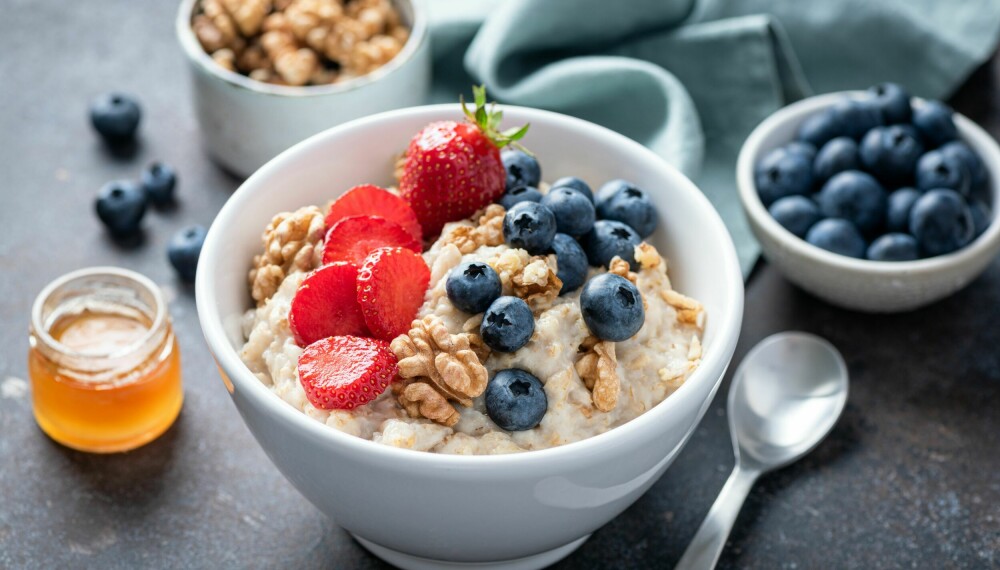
488, 121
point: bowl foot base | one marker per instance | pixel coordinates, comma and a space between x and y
411, 562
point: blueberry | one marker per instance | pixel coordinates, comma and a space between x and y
941, 222
530, 226
838, 155
574, 212
893, 247
574, 182
819, 128
184, 249
855, 197
937, 169
522, 168
571, 261
782, 173
858, 116
796, 214
837, 235
159, 180
610, 188
805, 149
892, 101
520, 194
891, 153
630, 206
981, 217
933, 120
900, 203
978, 175
507, 324
609, 239
472, 286
116, 117
612, 307
515, 400
121, 206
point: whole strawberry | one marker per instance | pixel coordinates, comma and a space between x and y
452, 169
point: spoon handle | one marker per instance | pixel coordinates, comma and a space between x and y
705, 548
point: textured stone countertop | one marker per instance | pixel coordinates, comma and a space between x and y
910, 477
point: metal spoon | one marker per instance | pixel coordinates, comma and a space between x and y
785, 397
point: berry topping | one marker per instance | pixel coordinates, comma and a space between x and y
571, 261
121, 205
452, 169
630, 206
344, 372
612, 307
369, 200
184, 249
325, 304
507, 324
520, 194
472, 286
390, 289
115, 116
515, 400
529, 226
352, 239
522, 168
574, 212
609, 239
158, 180
576, 184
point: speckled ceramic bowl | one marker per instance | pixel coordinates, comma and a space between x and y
418, 509
862, 285
244, 123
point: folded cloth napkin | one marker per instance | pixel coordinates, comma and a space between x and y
691, 78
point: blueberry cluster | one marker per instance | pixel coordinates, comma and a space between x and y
878, 177
582, 230
122, 204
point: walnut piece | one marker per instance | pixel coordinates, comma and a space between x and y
689, 311
598, 369
422, 401
621, 268
447, 362
647, 256
291, 243
530, 278
489, 232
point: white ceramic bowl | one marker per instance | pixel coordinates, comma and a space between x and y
244, 123
862, 285
524, 510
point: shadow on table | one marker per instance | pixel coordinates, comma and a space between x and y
134, 477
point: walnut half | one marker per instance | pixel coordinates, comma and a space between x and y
291, 242
598, 369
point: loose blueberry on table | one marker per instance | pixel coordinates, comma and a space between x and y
891, 180
121, 206
159, 180
184, 249
115, 116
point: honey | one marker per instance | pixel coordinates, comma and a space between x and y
103, 362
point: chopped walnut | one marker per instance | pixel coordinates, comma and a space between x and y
489, 232
420, 400
598, 369
321, 41
647, 256
620, 267
447, 362
537, 284
689, 311
291, 243
225, 58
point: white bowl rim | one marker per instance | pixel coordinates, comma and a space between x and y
196, 54
968, 131
228, 359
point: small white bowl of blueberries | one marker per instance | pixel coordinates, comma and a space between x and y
872, 200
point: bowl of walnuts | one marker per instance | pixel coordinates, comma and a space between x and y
267, 74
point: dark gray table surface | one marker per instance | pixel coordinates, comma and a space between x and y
910, 477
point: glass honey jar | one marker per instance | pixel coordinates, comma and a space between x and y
103, 361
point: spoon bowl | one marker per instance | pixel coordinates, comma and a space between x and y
786, 396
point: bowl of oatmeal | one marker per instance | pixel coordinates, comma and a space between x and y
428, 470
267, 74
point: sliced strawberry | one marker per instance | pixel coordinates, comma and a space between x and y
391, 287
352, 239
369, 200
343, 372
326, 305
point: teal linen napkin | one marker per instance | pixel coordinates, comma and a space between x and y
691, 78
